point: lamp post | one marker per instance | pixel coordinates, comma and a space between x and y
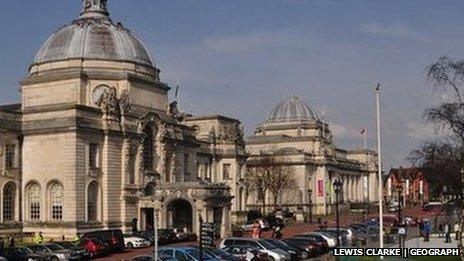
310, 201
399, 189
337, 186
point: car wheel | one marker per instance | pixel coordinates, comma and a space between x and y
270, 258
304, 255
130, 245
55, 259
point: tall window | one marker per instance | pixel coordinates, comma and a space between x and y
9, 201
33, 194
186, 164
10, 156
56, 201
92, 201
148, 149
94, 153
226, 171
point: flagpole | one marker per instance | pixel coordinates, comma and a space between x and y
379, 155
365, 138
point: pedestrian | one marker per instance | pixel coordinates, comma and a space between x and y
262, 226
402, 236
256, 231
447, 230
457, 230
421, 228
440, 229
11, 241
38, 239
427, 230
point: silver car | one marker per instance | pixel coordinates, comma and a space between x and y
273, 252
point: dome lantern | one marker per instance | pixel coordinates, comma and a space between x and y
94, 8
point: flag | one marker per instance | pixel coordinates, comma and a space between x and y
177, 91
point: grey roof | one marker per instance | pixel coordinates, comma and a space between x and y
94, 36
290, 110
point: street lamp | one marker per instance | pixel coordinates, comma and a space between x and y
310, 192
337, 187
399, 189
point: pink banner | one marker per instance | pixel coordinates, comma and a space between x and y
320, 188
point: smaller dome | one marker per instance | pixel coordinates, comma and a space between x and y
291, 110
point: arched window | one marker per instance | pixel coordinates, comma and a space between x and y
33, 196
92, 201
148, 149
9, 192
56, 195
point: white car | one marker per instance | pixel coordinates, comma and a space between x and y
135, 242
274, 253
331, 241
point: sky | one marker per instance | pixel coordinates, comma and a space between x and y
241, 57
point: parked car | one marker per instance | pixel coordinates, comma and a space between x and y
220, 254
246, 252
54, 252
295, 253
248, 226
112, 238
308, 245
135, 242
95, 246
150, 258
272, 251
84, 255
331, 240
343, 239
184, 253
24, 254
166, 236
322, 244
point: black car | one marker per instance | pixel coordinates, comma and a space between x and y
308, 245
23, 254
112, 237
296, 254
84, 255
322, 244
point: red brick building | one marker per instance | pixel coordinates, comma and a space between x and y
411, 183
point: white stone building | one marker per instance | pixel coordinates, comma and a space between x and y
96, 144
294, 135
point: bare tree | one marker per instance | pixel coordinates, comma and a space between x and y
268, 174
258, 171
281, 178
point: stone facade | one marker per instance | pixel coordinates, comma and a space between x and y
95, 144
293, 135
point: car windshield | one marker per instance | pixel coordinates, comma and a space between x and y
267, 245
66, 244
195, 253
277, 243
38, 248
54, 247
24, 250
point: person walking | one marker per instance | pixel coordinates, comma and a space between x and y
38, 239
440, 229
256, 230
11, 242
427, 230
447, 230
457, 230
402, 236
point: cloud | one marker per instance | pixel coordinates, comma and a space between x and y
390, 30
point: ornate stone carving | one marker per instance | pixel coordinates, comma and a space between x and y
109, 104
95, 5
124, 102
173, 110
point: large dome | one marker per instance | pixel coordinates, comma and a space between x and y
94, 36
291, 110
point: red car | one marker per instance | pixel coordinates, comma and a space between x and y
95, 247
